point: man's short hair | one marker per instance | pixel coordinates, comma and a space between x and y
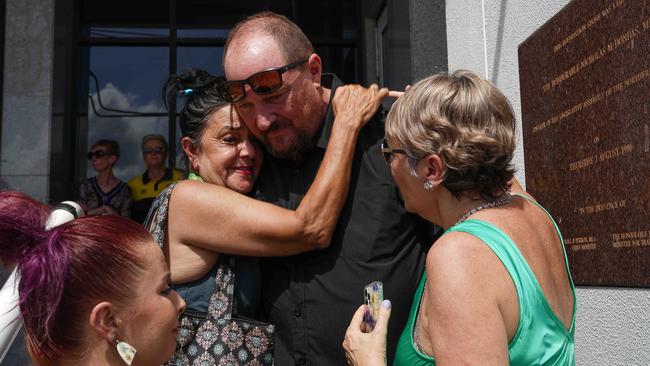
293, 43
155, 137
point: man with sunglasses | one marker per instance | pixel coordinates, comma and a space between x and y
275, 80
146, 187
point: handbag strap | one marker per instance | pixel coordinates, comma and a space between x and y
222, 301
156, 221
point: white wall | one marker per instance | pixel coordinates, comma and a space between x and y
612, 324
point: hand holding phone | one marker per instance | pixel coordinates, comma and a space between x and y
373, 295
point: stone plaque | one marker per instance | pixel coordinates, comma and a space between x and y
585, 100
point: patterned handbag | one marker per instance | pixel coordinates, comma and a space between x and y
218, 337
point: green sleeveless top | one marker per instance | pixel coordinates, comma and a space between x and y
540, 339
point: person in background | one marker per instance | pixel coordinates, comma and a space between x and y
93, 290
277, 85
497, 288
104, 194
157, 177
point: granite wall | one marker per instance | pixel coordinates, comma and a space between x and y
612, 323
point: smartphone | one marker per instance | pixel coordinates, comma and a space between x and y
373, 296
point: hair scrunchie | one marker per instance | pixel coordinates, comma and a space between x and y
65, 211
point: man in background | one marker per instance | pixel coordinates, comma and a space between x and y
145, 187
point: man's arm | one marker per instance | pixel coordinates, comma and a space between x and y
205, 218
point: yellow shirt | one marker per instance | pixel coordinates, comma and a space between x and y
144, 190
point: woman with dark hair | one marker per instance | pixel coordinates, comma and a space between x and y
210, 214
497, 288
104, 194
92, 291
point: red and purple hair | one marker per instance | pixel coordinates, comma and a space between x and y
66, 271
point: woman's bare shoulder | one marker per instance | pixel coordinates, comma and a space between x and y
460, 260
457, 246
193, 192
462, 301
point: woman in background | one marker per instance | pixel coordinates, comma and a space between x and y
104, 194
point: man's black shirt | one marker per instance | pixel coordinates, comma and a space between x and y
311, 297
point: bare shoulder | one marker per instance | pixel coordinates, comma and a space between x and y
183, 187
193, 191
461, 261
186, 186
191, 201
456, 250
464, 321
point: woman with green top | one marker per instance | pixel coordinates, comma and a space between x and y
497, 288
210, 213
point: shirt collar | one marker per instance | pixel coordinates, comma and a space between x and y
167, 176
332, 82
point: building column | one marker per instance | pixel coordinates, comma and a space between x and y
27, 95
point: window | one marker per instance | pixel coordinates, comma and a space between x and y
126, 49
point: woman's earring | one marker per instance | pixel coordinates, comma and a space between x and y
428, 185
126, 351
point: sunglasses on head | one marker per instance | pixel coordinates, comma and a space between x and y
388, 151
152, 150
263, 82
98, 154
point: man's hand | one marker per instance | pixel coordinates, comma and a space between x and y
355, 105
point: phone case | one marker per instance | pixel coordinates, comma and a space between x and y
373, 295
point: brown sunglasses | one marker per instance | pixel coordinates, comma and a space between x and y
263, 82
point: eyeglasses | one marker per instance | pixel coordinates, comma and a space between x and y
98, 154
388, 151
263, 82
154, 150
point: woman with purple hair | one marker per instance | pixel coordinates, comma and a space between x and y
92, 291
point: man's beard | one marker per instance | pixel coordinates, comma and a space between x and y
300, 142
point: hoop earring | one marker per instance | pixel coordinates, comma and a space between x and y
428, 185
126, 351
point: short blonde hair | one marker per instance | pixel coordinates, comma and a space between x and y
154, 137
465, 120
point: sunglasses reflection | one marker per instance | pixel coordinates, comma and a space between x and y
154, 150
98, 154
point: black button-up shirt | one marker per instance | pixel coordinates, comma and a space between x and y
311, 297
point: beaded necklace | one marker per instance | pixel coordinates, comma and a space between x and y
504, 199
